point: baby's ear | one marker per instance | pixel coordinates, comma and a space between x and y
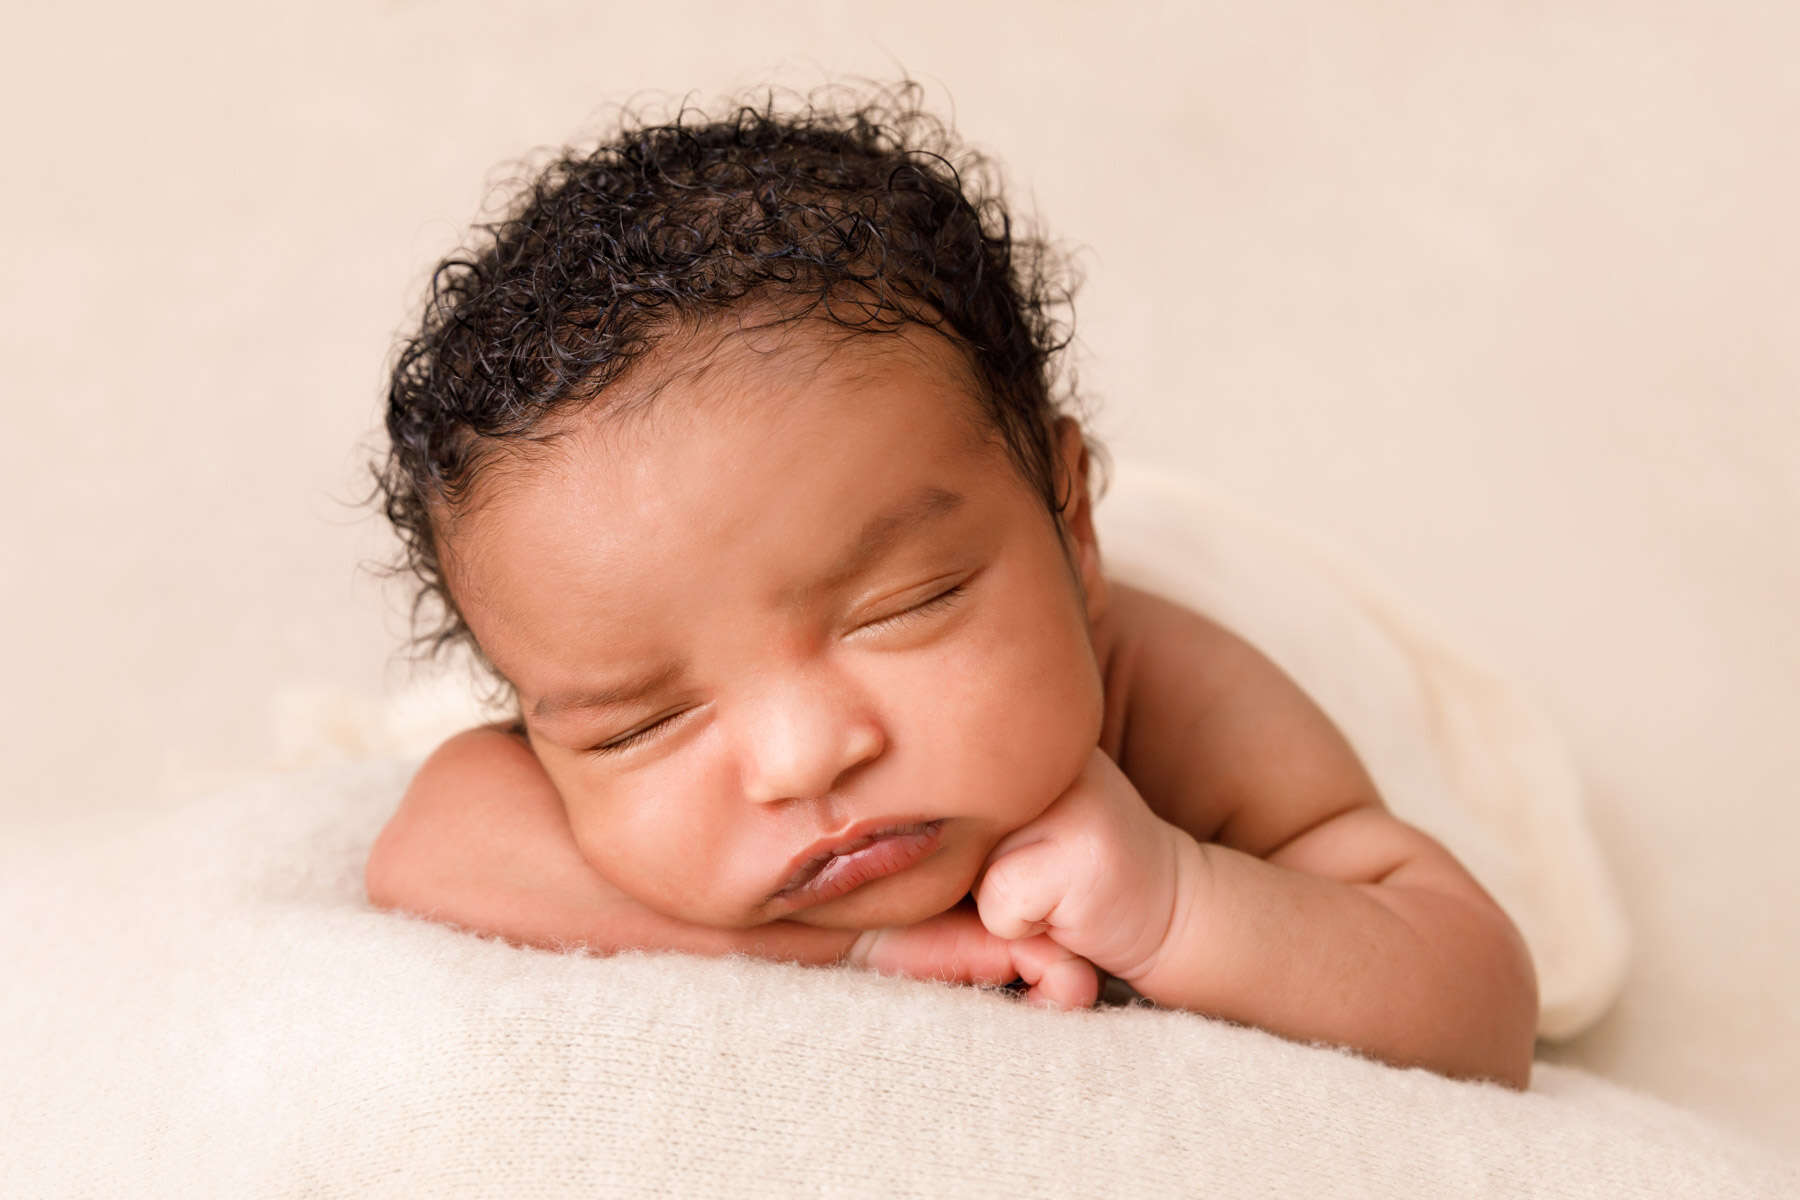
1078, 514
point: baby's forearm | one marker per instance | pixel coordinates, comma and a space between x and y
481, 842
1404, 970
562, 904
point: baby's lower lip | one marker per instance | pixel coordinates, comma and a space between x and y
888, 854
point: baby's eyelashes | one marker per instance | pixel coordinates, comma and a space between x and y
641, 734
938, 601
941, 600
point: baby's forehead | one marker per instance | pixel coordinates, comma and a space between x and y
753, 354
735, 384
728, 367
735, 378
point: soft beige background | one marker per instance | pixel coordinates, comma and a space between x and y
1499, 297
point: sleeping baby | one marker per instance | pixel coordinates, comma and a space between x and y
736, 452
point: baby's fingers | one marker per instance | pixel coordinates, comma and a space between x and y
1018, 894
1058, 978
954, 947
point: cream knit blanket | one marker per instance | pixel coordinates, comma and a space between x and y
210, 1009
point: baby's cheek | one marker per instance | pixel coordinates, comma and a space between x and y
595, 834
629, 843
1056, 731
1022, 764
676, 838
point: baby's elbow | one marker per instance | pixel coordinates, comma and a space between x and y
398, 872
1481, 1005
1524, 1031
447, 807
389, 876
1512, 990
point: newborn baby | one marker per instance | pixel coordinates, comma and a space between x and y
734, 453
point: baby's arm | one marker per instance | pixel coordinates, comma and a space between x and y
1236, 861
1305, 907
481, 842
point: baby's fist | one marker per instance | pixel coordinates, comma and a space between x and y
1097, 872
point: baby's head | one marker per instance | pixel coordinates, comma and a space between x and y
734, 453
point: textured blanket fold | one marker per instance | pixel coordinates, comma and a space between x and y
210, 1008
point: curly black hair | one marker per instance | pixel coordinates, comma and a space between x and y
870, 215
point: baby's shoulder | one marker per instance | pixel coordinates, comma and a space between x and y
1147, 642
1205, 725
1159, 659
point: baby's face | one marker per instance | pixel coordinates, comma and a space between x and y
799, 600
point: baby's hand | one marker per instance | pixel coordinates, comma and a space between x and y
954, 947
1097, 873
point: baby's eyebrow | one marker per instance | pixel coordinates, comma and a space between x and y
886, 528
622, 692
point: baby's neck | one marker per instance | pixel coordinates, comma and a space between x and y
1113, 646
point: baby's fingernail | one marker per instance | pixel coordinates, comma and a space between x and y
862, 947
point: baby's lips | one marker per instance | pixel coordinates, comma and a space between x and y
835, 871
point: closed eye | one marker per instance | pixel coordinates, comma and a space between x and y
641, 734
943, 599
644, 733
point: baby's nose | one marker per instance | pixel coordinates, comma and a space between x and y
803, 740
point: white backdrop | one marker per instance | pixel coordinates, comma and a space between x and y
1498, 298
